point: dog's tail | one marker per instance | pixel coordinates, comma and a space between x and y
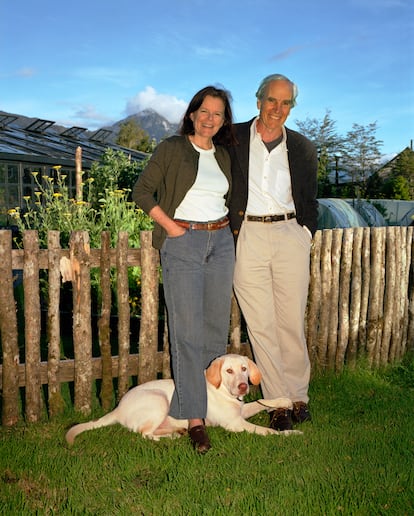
108, 419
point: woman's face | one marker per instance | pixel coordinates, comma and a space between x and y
209, 117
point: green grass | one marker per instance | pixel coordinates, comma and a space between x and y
355, 458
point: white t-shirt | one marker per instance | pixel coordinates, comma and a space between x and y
205, 200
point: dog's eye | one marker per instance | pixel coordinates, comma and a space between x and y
244, 368
230, 371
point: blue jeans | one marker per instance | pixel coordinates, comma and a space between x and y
197, 272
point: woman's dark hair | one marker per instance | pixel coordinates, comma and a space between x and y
225, 135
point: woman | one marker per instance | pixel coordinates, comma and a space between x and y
185, 188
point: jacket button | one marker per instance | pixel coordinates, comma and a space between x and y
236, 232
241, 213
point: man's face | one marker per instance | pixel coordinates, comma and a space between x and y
276, 104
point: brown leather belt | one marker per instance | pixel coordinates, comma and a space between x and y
271, 218
206, 226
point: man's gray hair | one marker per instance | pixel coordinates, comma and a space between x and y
260, 93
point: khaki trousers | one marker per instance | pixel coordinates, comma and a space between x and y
271, 283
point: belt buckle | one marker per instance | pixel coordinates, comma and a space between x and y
268, 218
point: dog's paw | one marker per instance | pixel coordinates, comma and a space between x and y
277, 403
290, 432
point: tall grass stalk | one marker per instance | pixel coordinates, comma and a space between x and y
355, 458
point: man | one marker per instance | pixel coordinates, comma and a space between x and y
273, 215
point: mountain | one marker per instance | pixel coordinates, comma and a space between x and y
153, 123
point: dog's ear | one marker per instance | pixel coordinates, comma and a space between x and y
254, 373
213, 372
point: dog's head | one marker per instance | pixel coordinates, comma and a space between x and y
233, 372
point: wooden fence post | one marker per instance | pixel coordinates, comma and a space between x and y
336, 254
55, 399
365, 290
235, 329
355, 304
326, 282
148, 333
406, 263
104, 322
9, 335
124, 314
375, 312
389, 296
82, 330
344, 295
410, 273
32, 328
314, 298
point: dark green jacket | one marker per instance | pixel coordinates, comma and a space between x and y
170, 173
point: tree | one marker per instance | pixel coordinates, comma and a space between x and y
323, 134
361, 154
132, 136
396, 187
404, 167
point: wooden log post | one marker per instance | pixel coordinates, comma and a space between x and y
82, 329
326, 283
32, 328
55, 399
375, 309
390, 295
148, 333
405, 278
344, 296
9, 334
314, 299
104, 322
410, 295
365, 290
78, 174
124, 315
355, 303
235, 327
334, 296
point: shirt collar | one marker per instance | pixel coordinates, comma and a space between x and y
255, 135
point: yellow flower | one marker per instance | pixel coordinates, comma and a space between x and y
57, 167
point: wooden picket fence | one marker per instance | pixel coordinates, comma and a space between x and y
361, 305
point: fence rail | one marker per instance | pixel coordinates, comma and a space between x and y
361, 304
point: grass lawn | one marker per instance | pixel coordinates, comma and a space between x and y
355, 458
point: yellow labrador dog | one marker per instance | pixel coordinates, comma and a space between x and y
144, 409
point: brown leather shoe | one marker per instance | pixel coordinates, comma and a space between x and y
300, 412
199, 438
281, 419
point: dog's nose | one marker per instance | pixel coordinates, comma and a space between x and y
243, 387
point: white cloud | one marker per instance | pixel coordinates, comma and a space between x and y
166, 105
26, 72
85, 116
89, 112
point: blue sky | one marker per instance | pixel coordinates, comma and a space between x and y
93, 62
